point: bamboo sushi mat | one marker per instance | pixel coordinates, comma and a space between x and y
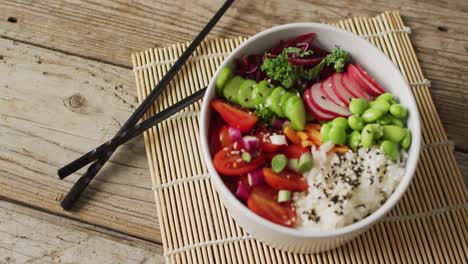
428, 225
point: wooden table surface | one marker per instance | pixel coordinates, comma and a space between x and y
66, 85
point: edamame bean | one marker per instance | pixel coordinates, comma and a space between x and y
406, 142
381, 105
367, 137
354, 140
393, 133
395, 121
357, 106
371, 115
390, 149
398, 111
370, 133
355, 122
324, 131
386, 97
340, 122
337, 135
385, 120
376, 129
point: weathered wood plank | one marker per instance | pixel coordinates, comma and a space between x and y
111, 30
53, 108
30, 236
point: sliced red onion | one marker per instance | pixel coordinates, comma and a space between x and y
251, 143
304, 61
252, 70
255, 177
243, 190
235, 133
303, 45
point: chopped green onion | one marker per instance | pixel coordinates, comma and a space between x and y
293, 164
306, 162
284, 196
246, 156
278, 163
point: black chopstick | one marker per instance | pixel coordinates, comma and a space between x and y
122, 138
84, 180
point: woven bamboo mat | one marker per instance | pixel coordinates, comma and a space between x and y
428, 225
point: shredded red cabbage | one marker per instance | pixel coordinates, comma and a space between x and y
249, 67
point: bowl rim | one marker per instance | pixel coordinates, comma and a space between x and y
304, 233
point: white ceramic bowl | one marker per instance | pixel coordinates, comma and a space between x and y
382, 70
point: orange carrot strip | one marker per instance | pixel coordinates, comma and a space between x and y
307, 143
339, 149
291, 135
303, 136
314, 136
313, 126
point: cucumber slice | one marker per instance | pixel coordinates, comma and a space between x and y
288, 106
223, 77
261, 92
273, 101
231, 89
285, 98
244, 95
296, 113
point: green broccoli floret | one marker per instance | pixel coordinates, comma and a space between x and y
280, 69
265, 115
338, 58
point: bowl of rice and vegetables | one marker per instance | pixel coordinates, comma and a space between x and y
310, 135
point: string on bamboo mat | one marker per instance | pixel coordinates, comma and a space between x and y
428, 225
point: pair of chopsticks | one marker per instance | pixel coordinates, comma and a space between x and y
131, 129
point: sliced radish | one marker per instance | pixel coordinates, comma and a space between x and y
312, 109
354, 88
370, 79
339, 90
359, 77
327, 90
323, 104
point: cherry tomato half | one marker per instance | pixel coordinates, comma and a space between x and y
234, 116
224, 137
293, 151
230, 163
286, 180
265, 142
263, 201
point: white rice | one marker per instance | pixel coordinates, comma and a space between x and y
344, 188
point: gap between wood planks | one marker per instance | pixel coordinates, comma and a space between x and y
104, 229
68, 53
33, 235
